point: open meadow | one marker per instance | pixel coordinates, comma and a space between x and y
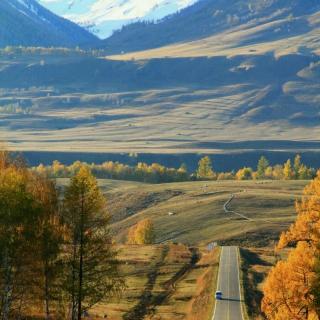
197, 210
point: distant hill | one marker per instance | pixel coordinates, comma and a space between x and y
274, 20
26, 23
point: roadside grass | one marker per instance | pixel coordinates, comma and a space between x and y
164, 282
256, 263
244, 307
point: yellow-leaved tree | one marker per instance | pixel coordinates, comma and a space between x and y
205, 170
290, 288
142, 233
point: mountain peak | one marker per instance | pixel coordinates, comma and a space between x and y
102, 17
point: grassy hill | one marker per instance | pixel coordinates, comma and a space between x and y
199, 215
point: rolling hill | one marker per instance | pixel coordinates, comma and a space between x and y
255, 78
26, 23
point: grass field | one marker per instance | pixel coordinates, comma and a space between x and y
199, 217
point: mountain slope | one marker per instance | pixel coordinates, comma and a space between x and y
26, 23
258, 21
102, 17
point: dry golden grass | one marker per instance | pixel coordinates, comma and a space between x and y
177, 289
256, 263
199, 216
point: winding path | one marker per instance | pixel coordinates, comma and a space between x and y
226, 209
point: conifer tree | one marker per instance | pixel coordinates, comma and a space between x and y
297, 166
92, 267
263, 164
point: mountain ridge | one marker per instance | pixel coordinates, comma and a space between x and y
27, 23
208, 18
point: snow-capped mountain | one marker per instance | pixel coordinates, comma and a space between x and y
27, 23
102, 17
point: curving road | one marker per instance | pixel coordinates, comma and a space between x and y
229, 283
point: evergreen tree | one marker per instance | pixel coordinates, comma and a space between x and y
92, 267
296, 166
263, 164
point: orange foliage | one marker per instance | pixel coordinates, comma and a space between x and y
307, 225
289, 287
287, 290
142, 233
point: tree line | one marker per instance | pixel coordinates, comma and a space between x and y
157, 173
154, 173
57, 257
46, 51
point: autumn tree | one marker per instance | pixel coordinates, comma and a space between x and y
92, 267
287, 170
142, 233
205, 170
50, 231
244, 174
290, 288
263, 164
18, 213
277, 172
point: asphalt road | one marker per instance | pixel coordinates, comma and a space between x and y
228, 282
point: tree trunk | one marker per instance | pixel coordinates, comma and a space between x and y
7, 294
46, 291
81, 259
80, 279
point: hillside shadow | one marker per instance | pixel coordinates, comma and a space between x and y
142, 307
